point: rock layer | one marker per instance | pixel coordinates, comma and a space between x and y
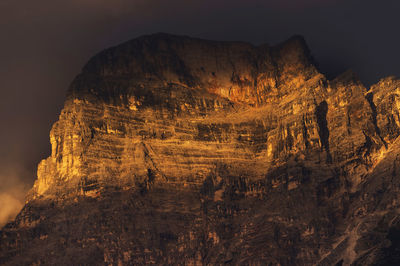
174, 150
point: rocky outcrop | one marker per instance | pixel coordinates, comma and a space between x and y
174, 150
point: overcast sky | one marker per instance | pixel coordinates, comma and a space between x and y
44, 44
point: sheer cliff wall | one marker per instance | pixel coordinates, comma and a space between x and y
177, 150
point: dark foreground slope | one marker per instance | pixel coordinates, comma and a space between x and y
173, 150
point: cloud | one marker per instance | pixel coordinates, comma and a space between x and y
12, 192
11, 205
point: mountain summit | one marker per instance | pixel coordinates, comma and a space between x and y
175, 150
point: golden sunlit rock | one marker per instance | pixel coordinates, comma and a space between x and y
173, 150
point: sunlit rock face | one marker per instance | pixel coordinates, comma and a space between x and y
173, 150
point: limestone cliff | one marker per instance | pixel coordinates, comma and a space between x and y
174, 150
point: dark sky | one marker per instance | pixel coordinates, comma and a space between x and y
44, 44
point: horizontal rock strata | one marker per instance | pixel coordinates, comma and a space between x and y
174, 150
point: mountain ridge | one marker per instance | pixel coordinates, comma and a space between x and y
174, 150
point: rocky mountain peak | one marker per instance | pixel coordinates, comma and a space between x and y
238, 71
348, 77
296, 50
175, 150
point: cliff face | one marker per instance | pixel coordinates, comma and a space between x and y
173, 150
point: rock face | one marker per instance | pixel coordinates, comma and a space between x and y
173, 150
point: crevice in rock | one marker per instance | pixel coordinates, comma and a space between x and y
305, 133
395, 169
323, 131
370, 99
153, 164
348, 123
289, 139
365, 150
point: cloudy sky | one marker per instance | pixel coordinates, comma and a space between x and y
44, 44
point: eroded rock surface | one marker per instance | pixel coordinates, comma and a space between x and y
174, 150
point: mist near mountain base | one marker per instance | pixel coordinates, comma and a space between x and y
13, 189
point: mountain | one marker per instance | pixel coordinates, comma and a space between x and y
175, 150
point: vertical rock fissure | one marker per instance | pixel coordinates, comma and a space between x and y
153, 164
323, 131
305, 133
370, 99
